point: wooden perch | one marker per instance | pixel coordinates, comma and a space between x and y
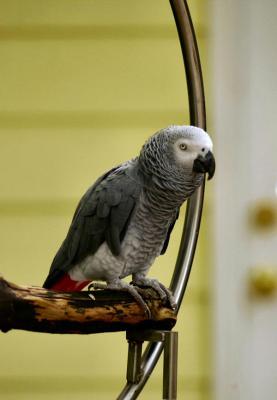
36, 309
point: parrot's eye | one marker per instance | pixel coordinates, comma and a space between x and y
183, 146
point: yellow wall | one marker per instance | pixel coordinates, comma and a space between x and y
82, 85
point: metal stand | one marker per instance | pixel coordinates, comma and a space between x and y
141, 368
134, 367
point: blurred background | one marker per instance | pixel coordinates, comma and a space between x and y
82, 85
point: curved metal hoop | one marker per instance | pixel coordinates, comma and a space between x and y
194, 207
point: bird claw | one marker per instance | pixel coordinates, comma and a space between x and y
97, 285
164, 293
121, 285
91, 296
90, 291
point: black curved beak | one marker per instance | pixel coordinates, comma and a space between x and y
205, 165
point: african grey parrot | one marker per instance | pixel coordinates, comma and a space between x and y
123, 222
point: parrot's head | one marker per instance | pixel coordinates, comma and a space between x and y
192, 148
182, 149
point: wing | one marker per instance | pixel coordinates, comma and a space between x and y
171, 226
102, 216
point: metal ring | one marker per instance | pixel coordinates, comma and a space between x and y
189, 238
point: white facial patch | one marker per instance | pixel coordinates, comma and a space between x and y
198, 136
193, 142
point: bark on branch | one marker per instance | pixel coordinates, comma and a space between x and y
36, 309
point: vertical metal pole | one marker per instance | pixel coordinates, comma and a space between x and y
170, 366
134, 361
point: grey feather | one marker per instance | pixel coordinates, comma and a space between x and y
103, 208
112, 236
170, 229
121, 213
113, 196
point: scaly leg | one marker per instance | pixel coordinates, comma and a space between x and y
164, 293
118, 284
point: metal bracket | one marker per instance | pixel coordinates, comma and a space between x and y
169, 340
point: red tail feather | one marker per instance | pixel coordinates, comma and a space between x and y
66, 284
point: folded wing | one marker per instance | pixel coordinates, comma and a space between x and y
102, 216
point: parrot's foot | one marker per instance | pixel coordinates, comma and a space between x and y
121, 285
164, 293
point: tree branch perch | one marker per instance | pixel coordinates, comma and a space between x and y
36, 309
